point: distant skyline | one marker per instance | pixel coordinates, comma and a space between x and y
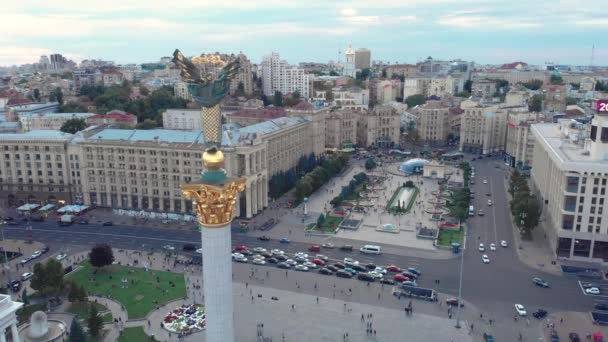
131, 31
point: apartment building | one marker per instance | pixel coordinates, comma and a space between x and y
341, 128
277, 75
52, 121
433, 122
570, 176
520, 140
483, 89
183, 119
554, 98
363, 58
180, 88
318, 121
243, 76
388, 90
378, 127
435, 86
482, 129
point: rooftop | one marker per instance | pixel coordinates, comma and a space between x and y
56, 115
267, 113
37, 134
568, 147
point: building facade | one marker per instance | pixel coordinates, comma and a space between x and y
243, 76
520, 141
349, 63
184, 119
180, 88
341, 128
363, 58
436, 86
378, 127
388, 90
570, 175
277, 75
52, 121
433, 122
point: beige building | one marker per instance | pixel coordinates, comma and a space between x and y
483, 89
570, 175
341, 128
35, 167
318, 121
433, 122
363, 58
185, 119
520, 141
378, 127
513, 77
244, 76
482, 129
554, 98
52, 121
388, 90
407, 70
180, 88
112, 77
247, 117
436, 86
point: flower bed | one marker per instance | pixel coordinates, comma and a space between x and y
186, 319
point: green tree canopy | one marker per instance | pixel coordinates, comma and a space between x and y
320, 220
101, 255
384, 73
533, 84
56, 95
415, 100
278, 99
48, 278
468, 86
556, 79
94, 322
73, 125
37, 94
72, 107
370, 164
76, 332
571, 100
536, 103
363, 74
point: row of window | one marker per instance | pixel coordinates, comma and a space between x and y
35, 148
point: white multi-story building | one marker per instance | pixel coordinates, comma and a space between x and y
53, 121
433, 124
180, 88
436, 86
570, 175
186, 119
277, 75
351, 98
520, 141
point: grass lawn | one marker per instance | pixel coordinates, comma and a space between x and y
329, 225
140, 295
23, 314
135, 334
82, 310
447, 237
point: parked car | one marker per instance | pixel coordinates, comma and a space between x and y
601, 306
393, 268
359, 268
414, 271
284, 240
272, 260
326, 271
350, 270
45, 249
258, 261
332, 268
281, 257
188, 247
27, 275
339, 265
350, 262
370, 266
344, 274
259, 250
592, 290
346, 248
36, 254
60, 256
574, 337
264, 238
328, 245
366, 277
240, 248
284, 265
410, 283
400, 278
540, 282
387, 281
169, 247
108, 223
318, 261
322, 257
520, 310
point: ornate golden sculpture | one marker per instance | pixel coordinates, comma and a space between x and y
214, 205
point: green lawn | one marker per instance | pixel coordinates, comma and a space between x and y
140, 295
329, 225
135, 334
447, 237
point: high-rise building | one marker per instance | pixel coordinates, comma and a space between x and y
363, 58
570, 176
57, 61
243, 76
277, 75
520, 140
349, 63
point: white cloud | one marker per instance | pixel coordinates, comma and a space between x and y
16, 55
369, 20
348, 12
487, 22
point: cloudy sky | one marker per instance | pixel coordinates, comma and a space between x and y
130, 31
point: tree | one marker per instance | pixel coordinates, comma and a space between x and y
240, 89
601, 86
468, 86
101, 255
56, 95
76, 332
147, 124
462, 94
571, 101
415, 100
37, 94
144, 91
320, 220
556, 79
77, 293
363, 74
278, 99
24, 297
72, 107
266, 101
94, 322
575, 86
370, 164
48, 278
502, 87
73, 125
384, 73
409, 184
533, 84
333, 73
536, 103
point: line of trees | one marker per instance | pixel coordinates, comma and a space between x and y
313, 180
282, 182
357, 180
459, 200
525, 207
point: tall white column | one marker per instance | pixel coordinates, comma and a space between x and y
14, 332
3, 335
217, 283
248, 201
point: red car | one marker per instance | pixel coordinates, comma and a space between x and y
318, 262
240, 248
314, 248
400, 278
393, 268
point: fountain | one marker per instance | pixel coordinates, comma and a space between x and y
41, 329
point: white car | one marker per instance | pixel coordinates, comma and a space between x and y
520, 310
258, 261
240, 258
492, 247
592, 290
503, 243
60, 257
169, 247
25, 261
257, 256
376, 275
27, 275
277, 252
322, 257
301, 255
36, 254
490, 202
199, 251
309, 264
291, 262
482, 248
350, 262
328, 245
485, 259
380, 270
301, 268
259, 250
485, 181
237, 255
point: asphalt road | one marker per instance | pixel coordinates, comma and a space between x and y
493, 287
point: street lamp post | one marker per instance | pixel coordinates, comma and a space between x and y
460, 289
